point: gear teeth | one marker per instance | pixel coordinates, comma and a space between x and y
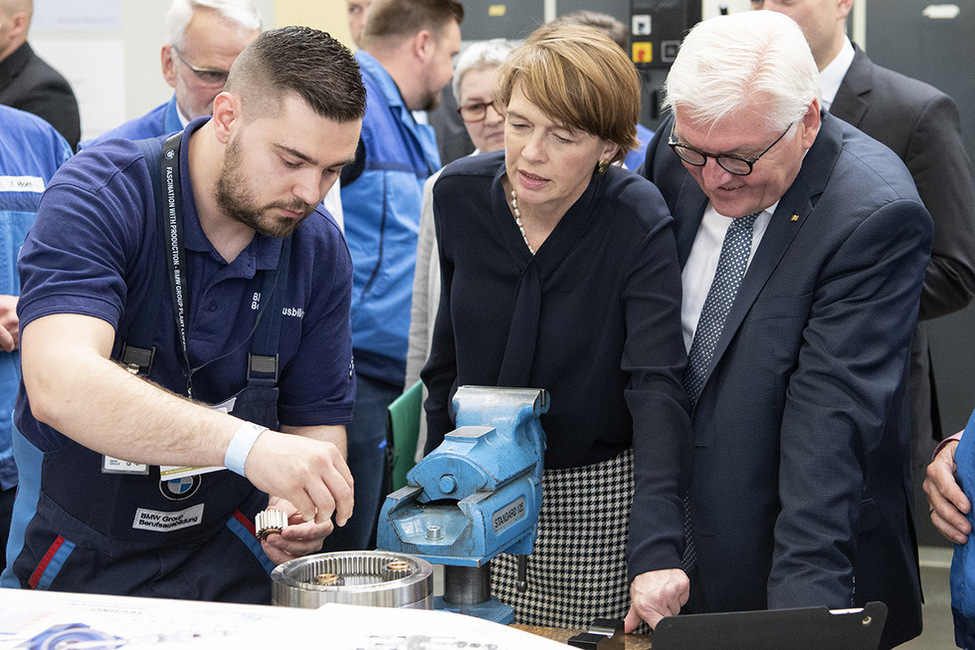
270, 521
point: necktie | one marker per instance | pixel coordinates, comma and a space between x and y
735, 250
732, 261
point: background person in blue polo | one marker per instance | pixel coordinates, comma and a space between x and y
94, 511
31, 150
406, 59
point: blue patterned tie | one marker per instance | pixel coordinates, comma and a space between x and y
735, 250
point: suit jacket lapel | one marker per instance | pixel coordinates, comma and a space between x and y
853, 98
691, 201
793, 209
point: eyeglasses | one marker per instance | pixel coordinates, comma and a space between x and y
206, 76
474, 112
736, 165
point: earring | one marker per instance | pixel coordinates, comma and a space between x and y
601, 168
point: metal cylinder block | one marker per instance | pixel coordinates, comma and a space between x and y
376, 578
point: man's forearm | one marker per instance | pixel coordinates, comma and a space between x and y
78, 391
74, 387
334, 434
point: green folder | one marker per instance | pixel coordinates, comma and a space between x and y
402, 430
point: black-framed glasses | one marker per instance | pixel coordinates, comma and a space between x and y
207, 76
474, 112
737, 165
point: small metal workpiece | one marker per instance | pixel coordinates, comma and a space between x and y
329, 579
270, 521
603, 634
396, 569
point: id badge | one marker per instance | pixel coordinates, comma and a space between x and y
118, 466
170, 472
112, 465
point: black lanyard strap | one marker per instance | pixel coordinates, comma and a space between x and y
137, 352
172, 220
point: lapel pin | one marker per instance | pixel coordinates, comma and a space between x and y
795, 217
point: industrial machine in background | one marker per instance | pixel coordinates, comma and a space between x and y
475, 496
657, 28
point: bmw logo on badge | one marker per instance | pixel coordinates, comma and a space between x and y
180, 488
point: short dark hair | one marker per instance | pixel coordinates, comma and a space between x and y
397, 19
303, 61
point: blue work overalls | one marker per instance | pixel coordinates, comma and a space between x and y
133, 533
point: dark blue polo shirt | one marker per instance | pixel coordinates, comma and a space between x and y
92, 251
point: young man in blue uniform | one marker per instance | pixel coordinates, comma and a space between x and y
31, 150
233, 300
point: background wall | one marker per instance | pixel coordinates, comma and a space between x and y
109, 49
327, 15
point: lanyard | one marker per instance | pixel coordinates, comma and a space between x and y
171, 234
172, 222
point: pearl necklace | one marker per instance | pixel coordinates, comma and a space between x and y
521, 226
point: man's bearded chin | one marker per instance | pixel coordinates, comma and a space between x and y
237, 201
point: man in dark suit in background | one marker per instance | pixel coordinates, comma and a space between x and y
803, 245
27, 82
921, 125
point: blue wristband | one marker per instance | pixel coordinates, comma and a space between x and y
240, 446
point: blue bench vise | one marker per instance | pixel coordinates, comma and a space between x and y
476, 495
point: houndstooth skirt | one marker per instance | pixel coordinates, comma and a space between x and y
577, 571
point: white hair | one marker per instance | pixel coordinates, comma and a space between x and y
753, 60
480, 55
242, 13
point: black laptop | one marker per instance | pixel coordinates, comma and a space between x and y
809, 628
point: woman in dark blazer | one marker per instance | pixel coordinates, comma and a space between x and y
560, 272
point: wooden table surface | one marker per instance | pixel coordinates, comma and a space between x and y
631, 641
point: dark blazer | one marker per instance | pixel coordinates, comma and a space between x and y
30, 84
800, 484
921, 125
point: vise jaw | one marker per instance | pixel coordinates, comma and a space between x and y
479, 493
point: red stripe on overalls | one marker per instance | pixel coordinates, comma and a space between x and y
245, 522
46, 560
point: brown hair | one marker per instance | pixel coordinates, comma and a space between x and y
399, 19
580, 78
304, 61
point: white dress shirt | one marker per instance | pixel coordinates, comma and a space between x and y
832, 75
702, 262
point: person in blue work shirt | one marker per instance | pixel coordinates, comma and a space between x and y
203, 38
406, 59
31, 150
212, 332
